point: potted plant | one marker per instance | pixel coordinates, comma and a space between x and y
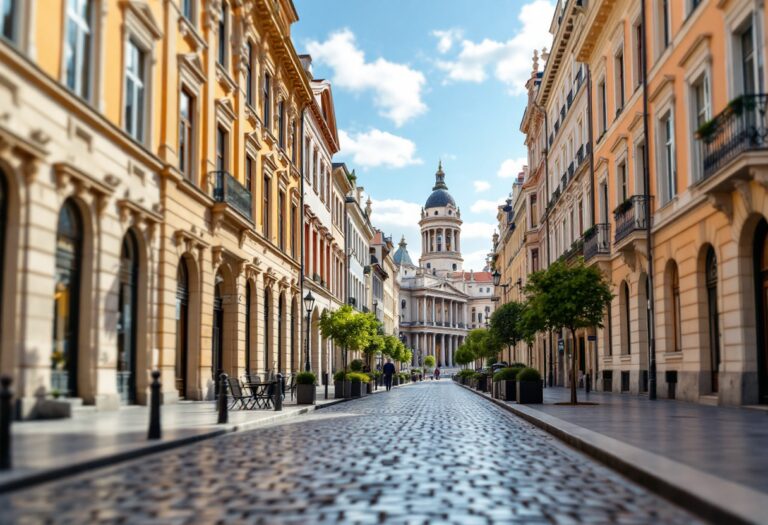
530, 387
306, 390
481, 381
505, 378
429, 363
371, 382
357, 379
341, 385
356, 365
464, 376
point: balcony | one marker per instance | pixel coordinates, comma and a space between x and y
741, 127
631, 215
597, 241
228, 190
575, 251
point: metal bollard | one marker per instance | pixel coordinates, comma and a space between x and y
325, 383
155, 431
278, 401
6, 396
223, 414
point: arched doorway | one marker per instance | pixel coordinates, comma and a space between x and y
217, 336
248, 299
126, 326
626, 338
3, 222
267, 328
760, 254
66, 319
182, 327
294, 336
280, 333
713, 318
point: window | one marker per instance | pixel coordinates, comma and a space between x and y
637, 59
249, 76
223, 33
78, 47
187, 9
534, 211
535, 260
267, 208
664, 29
602, 109
751, 72
9, 18
640, 168
626, 339
701, 113
135, 60
677, 338
294, 225
249, 166
603, 195
621, 177
222, 144
186, 130
619, 73
294, 142
266, 99
281, 124
281, 220
667, 168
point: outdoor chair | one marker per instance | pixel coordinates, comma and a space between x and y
290, 386
239, 398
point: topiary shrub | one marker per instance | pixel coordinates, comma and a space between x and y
341, 375
429, 361
518, 365
356, 365
358, 377
528, 374
306, 378
466, 373
506, 374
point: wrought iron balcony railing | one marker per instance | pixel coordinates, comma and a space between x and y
631, 215
228, 189
741, 127
597, 241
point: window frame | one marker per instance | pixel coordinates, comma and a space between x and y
222, 36
82, 57
136, 129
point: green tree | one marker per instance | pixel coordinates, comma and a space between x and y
347, 328
429, 361
570, 298
506, 324
463, 355
483, 344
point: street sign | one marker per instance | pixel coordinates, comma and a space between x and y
591, 338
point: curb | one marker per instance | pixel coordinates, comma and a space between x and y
26, 480
705, 495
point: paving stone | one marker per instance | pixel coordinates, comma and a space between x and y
426, 454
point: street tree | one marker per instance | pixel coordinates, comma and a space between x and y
568, 297
463, 355
506, 324
347, 328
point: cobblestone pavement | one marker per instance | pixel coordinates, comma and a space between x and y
428, 453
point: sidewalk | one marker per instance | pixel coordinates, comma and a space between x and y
713, 460
45, 450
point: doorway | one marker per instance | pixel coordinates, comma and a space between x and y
217, 341
714, 325
760, 255
126, 325
182, 327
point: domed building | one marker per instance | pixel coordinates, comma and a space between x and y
439, 301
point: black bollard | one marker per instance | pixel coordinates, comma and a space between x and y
223, 414
278, 401
6, 396
155, 431
325, 383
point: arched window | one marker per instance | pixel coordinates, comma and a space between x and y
182, 326
64, 353
713, 317
126, 326
675, 317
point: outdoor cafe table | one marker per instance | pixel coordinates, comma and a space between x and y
260, 391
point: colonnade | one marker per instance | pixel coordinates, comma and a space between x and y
441, 239
442, 346
439, 311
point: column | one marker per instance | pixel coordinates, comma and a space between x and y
442, 349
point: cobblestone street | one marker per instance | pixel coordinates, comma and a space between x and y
427, 453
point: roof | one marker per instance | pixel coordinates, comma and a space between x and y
478, 277
401, 256
439, 196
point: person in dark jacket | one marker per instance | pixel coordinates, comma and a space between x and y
389, 371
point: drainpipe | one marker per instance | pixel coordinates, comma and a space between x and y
590, 132
648, 240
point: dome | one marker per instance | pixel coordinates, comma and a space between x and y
401, 257
440, 196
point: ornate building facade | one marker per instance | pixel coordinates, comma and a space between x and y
439, 301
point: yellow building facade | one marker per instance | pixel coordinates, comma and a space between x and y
151, 193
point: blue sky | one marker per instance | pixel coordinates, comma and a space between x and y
415, 81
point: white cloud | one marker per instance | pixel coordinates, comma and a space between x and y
510, 61
377, 148
485, 206
396, 87
481, 185
510, 168
475, 260
477, 230
446, 38
395, 213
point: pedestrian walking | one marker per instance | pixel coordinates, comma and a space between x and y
437, 373
389, 371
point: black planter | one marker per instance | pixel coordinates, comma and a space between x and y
496, 394
530, 392
369, 389
305, 394
341, 389
481, 383
395, 381
508, 390
357, 389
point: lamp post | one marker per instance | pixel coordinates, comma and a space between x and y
309, 304
497, 282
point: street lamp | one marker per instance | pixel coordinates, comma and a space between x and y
496, 277
309, 304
